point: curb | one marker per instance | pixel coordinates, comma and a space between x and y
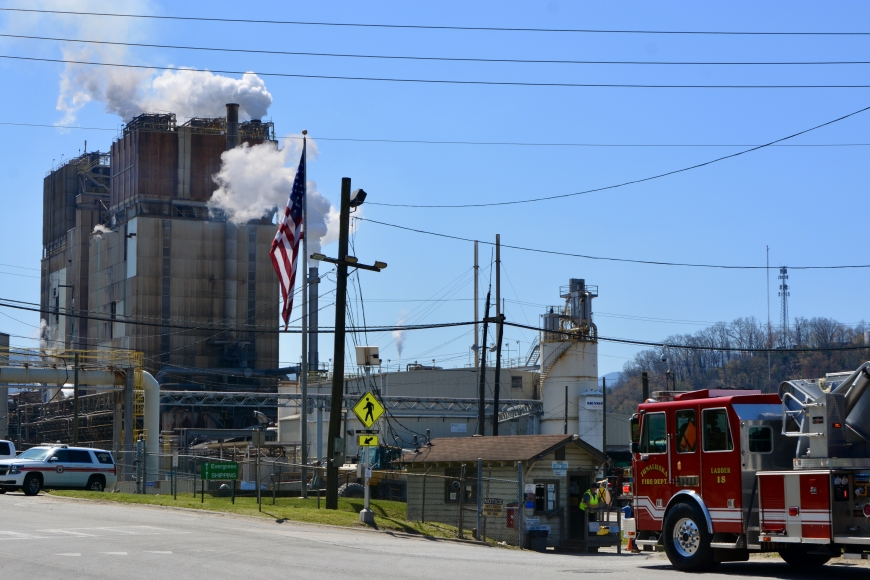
268, 519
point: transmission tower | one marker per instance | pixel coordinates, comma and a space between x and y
783, 310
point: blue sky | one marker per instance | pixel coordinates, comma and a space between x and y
806, 203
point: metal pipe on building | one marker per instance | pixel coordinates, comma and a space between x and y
89, 377
313, 307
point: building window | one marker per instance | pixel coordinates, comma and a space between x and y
654, 437
760, 440
454, 488
717, 433
559, 454
516, 382
546, 496
687, 432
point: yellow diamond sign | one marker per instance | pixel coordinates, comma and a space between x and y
368, 409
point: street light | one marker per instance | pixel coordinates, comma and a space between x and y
357, 198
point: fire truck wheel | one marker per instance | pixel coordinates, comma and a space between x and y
686, 539
799, 558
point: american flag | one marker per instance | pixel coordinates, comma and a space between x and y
285, 246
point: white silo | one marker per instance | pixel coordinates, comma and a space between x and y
569, 365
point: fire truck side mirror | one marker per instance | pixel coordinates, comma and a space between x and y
635, 448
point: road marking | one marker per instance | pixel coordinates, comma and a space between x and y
70, 554
116, 530
18, 536
69, 532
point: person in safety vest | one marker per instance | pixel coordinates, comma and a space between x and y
590, 499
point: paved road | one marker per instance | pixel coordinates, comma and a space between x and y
46, 537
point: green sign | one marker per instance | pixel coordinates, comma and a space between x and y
226, 470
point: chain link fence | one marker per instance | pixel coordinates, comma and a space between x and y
477, 507
464, 505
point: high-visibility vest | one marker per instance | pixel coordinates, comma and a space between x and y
589, 499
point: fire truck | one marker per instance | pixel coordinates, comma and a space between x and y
719, 474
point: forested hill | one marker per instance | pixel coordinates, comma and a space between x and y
711, 365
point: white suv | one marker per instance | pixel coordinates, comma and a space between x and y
58, 467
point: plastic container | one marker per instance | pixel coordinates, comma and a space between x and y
538, 540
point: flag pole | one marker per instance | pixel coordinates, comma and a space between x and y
303, 367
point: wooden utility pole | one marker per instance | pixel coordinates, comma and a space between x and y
334, 442
481, 404
476, 306
498, 332
604, 415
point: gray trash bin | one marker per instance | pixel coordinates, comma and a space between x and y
537, 540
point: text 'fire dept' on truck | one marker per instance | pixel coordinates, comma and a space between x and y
719, 474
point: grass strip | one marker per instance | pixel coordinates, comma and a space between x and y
389, 515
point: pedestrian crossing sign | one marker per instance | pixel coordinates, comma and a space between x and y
368, 409
367, 440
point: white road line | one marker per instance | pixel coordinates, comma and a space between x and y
69, 532
115, 530
18, 536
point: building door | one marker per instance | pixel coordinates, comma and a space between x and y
577, 486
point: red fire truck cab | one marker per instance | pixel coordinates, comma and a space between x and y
719, 474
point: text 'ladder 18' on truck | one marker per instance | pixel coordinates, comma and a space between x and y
719, 474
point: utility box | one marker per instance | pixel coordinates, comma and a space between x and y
368, 356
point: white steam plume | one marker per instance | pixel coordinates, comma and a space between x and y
128, 92
399, 336
254, 181
46, 335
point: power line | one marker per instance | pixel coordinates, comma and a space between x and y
443, 58
432, 81
660, 344
442, 27
634, 181
609, 259
4, 303
19, 267
529, 144
501, 143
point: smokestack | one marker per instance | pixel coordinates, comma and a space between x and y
232, 125
313, 286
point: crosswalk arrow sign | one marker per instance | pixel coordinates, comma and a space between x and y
368, 440
368, 409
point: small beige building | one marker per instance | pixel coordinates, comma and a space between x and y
556, 470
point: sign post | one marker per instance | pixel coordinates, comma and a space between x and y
224, 471
368, 410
